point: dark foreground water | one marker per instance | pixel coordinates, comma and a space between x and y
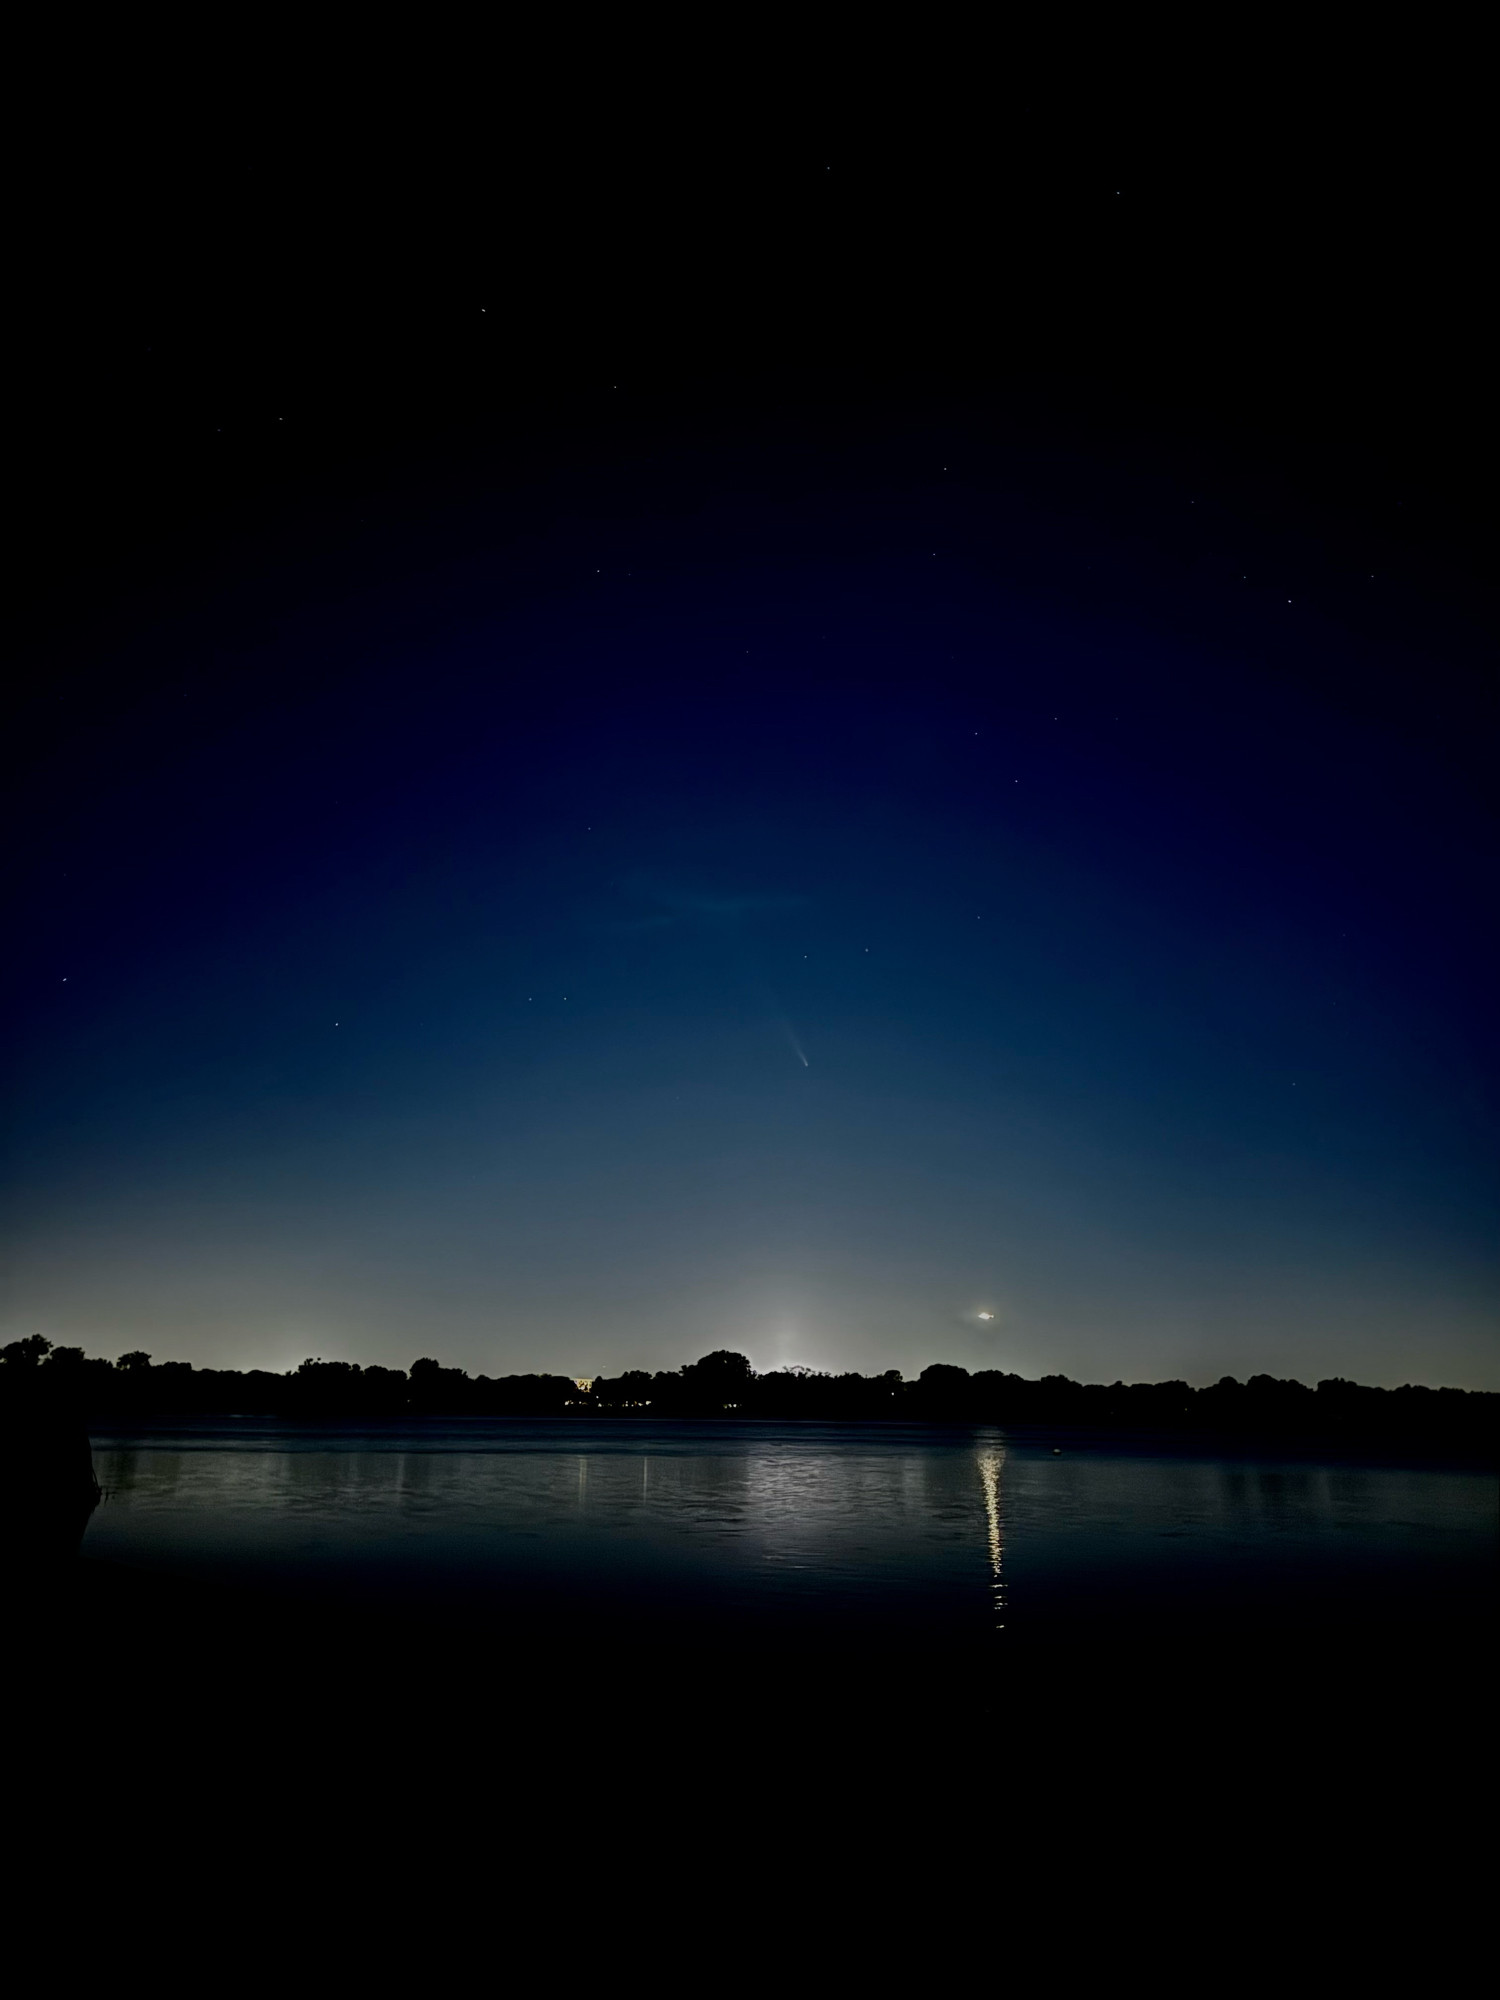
504, 1672
875, 1552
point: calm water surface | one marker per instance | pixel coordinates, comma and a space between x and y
968, 1541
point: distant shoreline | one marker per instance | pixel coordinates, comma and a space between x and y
724, 1387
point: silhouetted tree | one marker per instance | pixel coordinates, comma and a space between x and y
630, 1391
721, 1379
34, 1374
943, 1390
26, 1352
433, 1388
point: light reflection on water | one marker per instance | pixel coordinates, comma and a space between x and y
989, 1463
864, 1529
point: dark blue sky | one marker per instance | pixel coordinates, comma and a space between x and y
769, 856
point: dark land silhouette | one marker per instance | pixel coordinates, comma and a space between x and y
47, 1486
35, 1375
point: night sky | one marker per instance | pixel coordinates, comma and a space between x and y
776, 750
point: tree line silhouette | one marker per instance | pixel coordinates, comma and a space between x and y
724, 1385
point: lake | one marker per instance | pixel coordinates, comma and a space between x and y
430, 1660
866, 1553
